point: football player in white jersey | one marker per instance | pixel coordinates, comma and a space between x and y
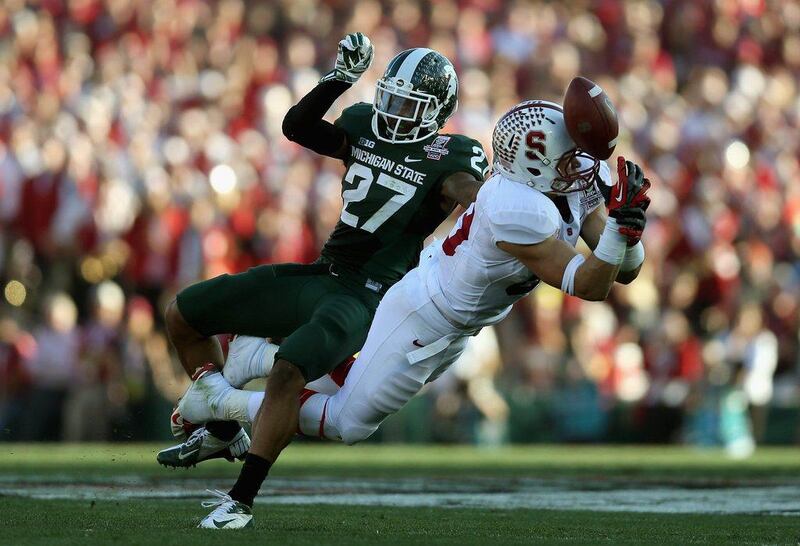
521, 230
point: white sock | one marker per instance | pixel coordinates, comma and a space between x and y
244, 368
263, 360
311, 416
216, 388
238, 405
243, 406
254, 404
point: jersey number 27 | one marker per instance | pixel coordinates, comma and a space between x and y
365, 177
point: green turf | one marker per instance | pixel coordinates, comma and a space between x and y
171, 522
316, 459
165, 522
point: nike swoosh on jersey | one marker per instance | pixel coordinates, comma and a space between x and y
618, 199
411, 160
417, 343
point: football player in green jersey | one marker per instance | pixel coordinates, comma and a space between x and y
402, 179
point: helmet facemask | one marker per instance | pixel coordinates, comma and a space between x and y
403, 114
576, 171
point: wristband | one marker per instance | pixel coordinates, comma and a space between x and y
634, 257
611, 247
568, 281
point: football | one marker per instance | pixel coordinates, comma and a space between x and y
591, 118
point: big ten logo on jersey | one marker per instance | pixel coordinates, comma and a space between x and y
437, 148
365, 142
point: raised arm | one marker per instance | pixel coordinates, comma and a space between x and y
303, 122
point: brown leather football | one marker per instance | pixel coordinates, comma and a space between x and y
591, 118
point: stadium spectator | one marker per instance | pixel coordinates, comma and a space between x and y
53, 366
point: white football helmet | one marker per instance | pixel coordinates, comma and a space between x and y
532, 146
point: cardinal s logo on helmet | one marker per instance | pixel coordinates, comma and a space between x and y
531, 145
415, 97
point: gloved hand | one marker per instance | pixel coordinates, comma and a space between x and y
629, 201
352, 59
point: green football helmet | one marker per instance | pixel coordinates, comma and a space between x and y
415, 97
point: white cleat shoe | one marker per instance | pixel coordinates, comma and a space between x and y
248, 358
227, 513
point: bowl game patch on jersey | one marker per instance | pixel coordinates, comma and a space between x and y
437, 148
590, 200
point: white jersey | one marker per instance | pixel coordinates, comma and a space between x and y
469, 278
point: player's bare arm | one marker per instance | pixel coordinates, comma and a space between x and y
549, 259
303, 123
460, 188
559, 264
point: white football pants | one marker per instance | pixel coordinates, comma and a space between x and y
409, 344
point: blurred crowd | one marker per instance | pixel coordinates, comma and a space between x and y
141, 150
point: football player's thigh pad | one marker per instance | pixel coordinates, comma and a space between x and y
382, 380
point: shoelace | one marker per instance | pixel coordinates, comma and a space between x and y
222, 503
197, 435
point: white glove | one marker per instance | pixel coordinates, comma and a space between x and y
352, 59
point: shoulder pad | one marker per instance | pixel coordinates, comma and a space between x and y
520, 215
461, 153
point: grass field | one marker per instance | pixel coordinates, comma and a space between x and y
327, 494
